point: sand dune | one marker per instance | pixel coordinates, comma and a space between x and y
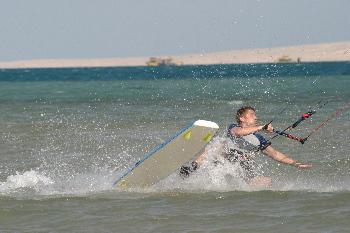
339, 51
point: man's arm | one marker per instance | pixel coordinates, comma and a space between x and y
239, 132
243, 131
282, 158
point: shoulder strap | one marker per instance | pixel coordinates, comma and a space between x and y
233, 125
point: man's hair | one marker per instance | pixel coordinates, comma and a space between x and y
241, 112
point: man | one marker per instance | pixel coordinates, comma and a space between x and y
245, 136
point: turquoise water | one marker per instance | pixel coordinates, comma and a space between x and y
67, 134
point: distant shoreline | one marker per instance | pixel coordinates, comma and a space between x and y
327, 52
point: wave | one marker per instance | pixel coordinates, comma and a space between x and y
215, 174
37, 183
219, 175
29, 179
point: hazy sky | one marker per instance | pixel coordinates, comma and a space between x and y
31, 29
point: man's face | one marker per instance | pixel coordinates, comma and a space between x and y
249, 118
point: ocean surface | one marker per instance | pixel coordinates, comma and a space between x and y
67, 134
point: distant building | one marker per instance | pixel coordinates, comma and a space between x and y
284, 59
155, 61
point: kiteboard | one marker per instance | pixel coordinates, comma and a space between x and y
166, 158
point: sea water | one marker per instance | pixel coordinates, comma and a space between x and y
67, 134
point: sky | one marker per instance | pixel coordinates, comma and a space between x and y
42, 29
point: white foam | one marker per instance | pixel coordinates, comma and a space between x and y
27, 179
79, 184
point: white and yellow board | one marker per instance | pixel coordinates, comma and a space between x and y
163, 160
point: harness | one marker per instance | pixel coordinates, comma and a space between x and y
251, 142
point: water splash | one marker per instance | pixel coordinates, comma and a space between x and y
39, 184
28, 179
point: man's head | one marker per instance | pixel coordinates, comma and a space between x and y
246, 115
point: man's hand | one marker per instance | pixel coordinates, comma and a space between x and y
268, 128
282, 158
